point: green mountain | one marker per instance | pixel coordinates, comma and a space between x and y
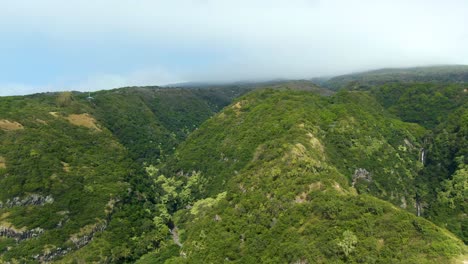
276, 172
71, 167
432, 74
292, 177
442, 110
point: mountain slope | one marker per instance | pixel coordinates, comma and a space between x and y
62, 175
71, 169
431, 74
279, 167
356, 129
444, 180
150, 121
280, 175
442, 109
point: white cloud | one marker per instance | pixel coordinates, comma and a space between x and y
264, 39
144, 77
21, 89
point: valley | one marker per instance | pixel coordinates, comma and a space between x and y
366, 169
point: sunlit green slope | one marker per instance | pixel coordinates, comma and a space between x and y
292, 177
72, 180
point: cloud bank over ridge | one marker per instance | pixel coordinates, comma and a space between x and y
90, 45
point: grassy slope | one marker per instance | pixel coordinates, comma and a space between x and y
436, 98
442, 109
83, 169
357, 131
140, 118
150, 121
86, 169
285, 161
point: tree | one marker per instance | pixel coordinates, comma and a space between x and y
64, 99
456, 189
348, 244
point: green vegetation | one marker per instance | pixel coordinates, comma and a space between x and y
433, 74
442, 109
149, 122
82, 168
291, 173
444, 180
87, 156
423, 103
281, 194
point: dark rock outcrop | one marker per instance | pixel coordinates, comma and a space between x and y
51, 255
361, 174
33, 199
20, 235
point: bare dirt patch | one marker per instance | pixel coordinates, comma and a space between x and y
258, 152
54, 114
380, 244
10, 125
5, 224
337, 187
301, 198
40, 121
66, 166
299, 150
316, 186
4, 216
2, 163
110, 206
315, 142
83, 120
238, 106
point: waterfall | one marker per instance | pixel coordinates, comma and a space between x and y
423, 155
418, 206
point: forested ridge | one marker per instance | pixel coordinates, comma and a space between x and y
283, 172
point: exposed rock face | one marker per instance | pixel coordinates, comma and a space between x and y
79, 240
19, 235
361, 173
82, 240
50, 256
33, 199
175, 236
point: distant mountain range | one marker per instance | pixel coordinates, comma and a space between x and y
433, 74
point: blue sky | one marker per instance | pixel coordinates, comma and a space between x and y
53, 45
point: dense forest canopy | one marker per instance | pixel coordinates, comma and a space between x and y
371, 171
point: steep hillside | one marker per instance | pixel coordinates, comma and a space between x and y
433, 74
71, 169
442, 109
285, 177
443, 183
358, 132
427, 104
292, 173
150, 121
62, 173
